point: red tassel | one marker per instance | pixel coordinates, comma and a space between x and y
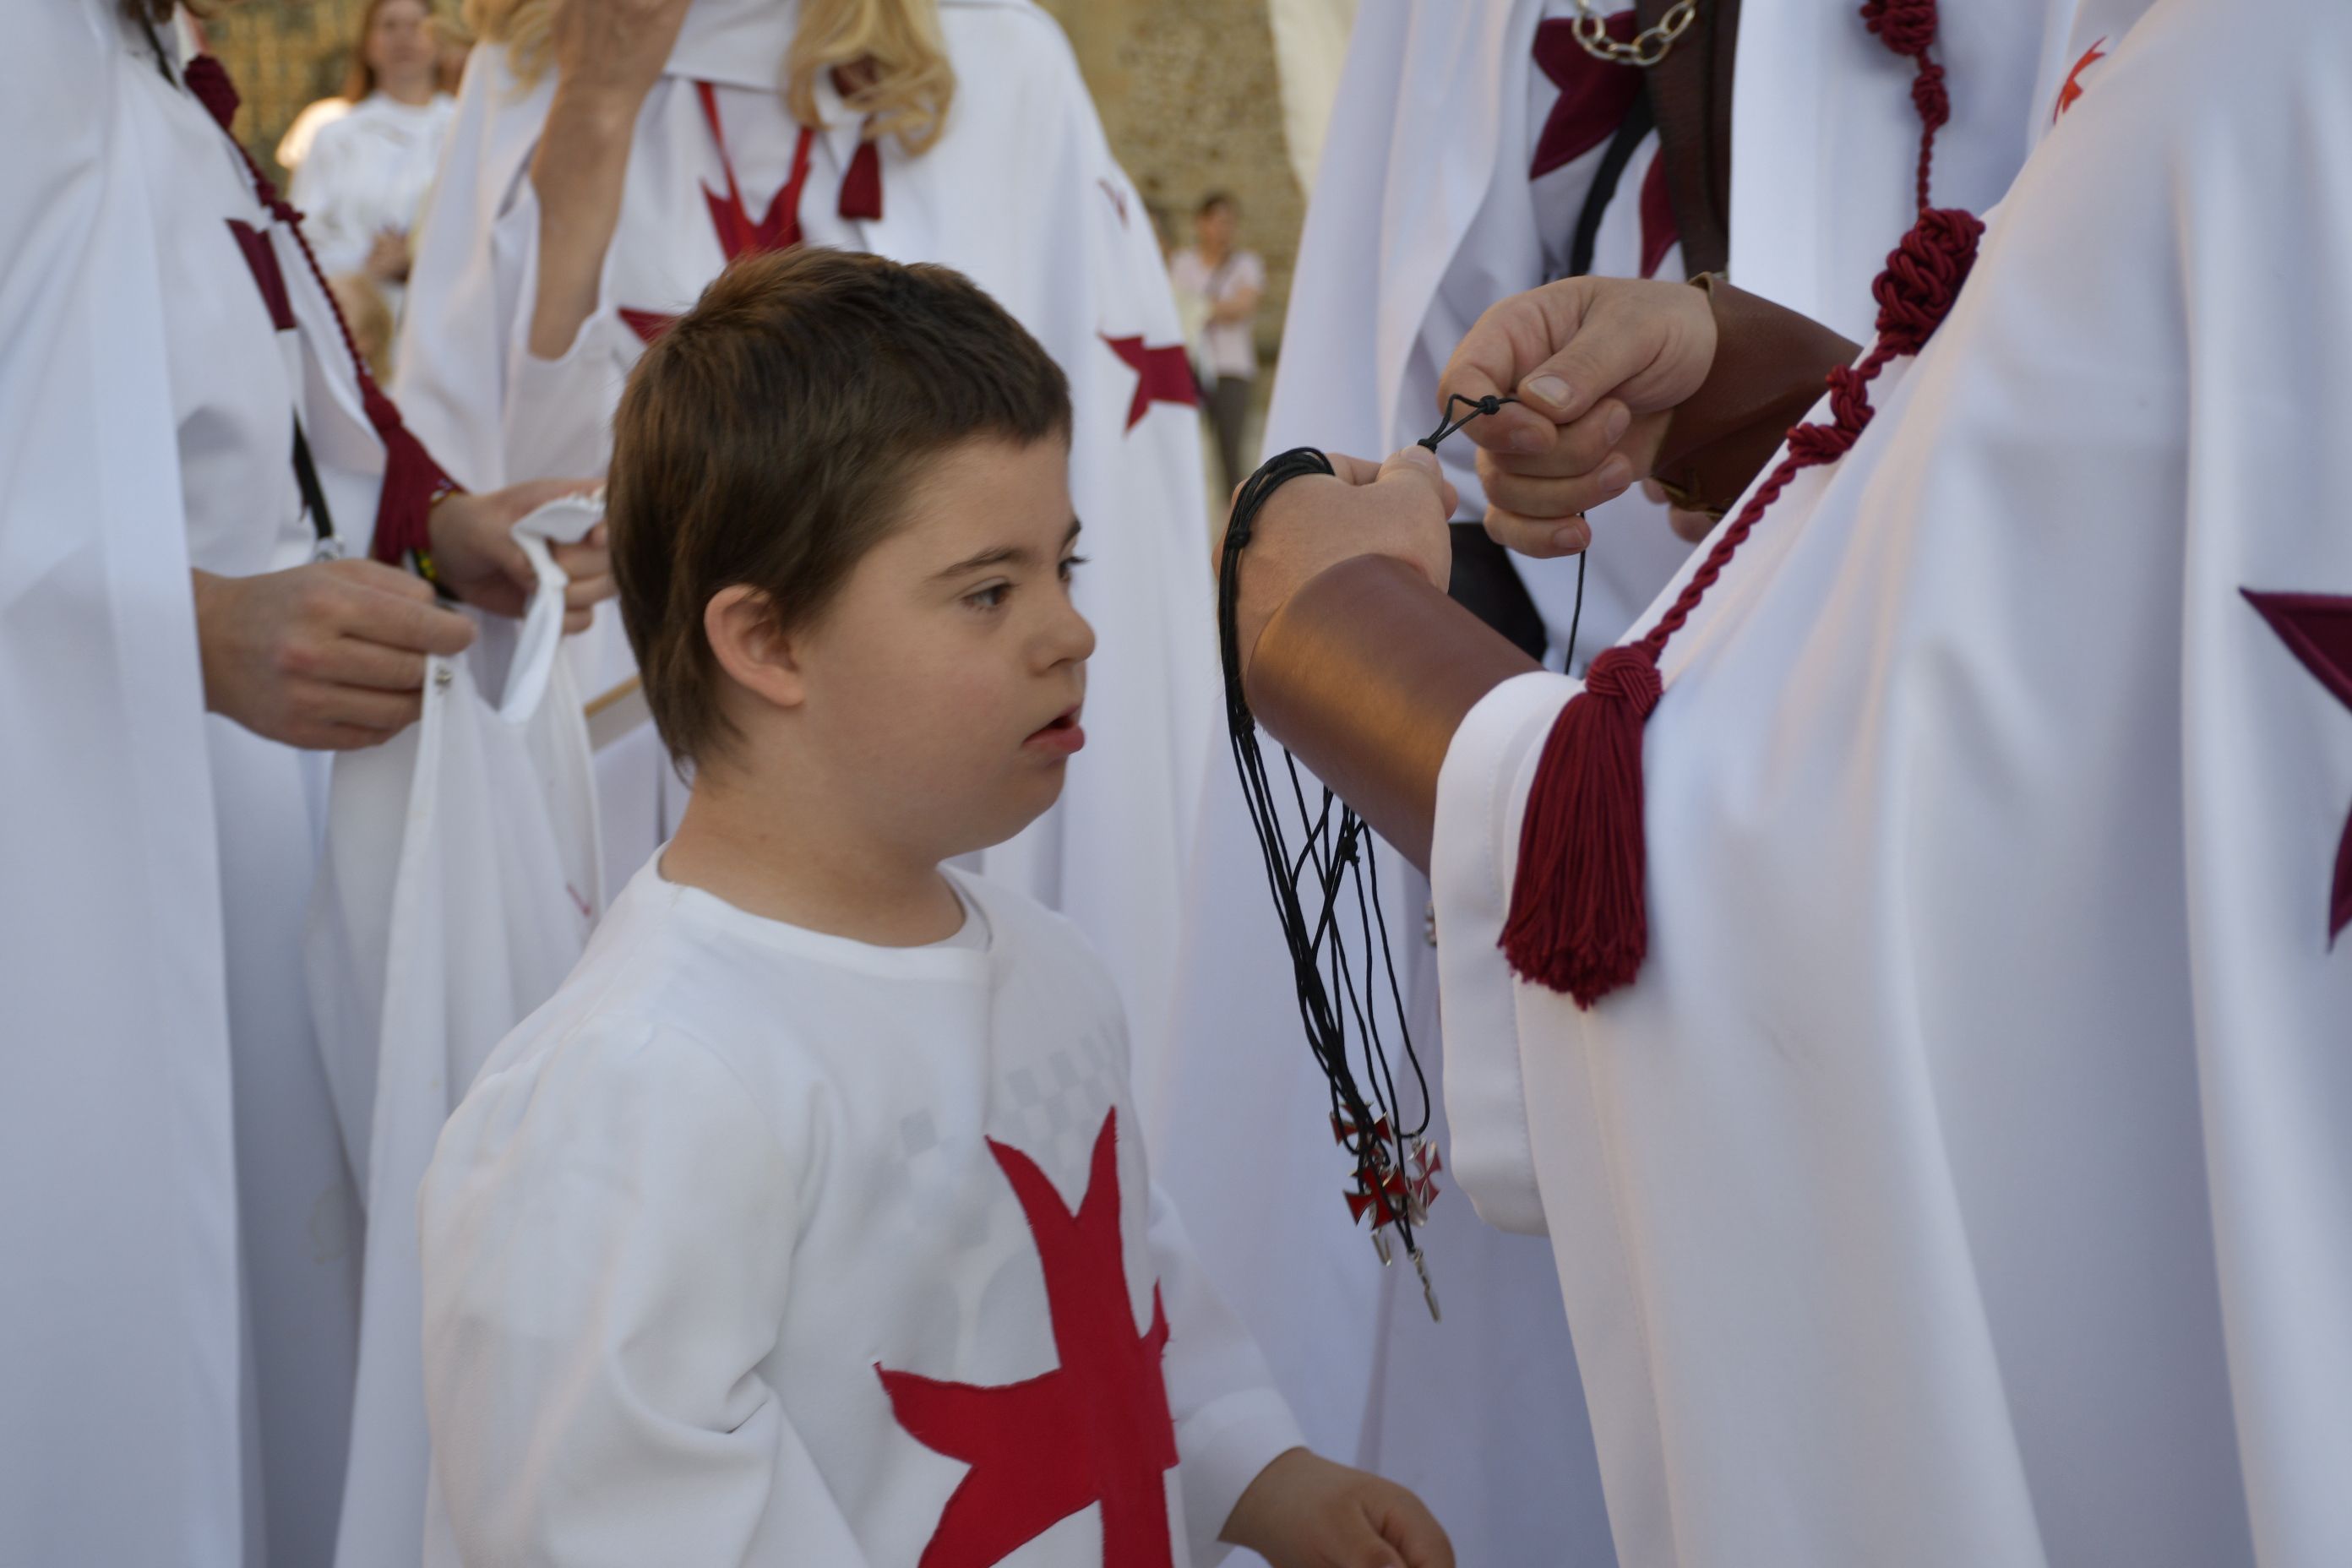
403, 508
1578, 921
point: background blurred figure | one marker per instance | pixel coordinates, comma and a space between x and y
367, 171
1219, 287
295, 146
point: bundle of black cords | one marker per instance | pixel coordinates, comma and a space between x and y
1334, 866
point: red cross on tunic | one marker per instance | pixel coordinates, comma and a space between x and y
779, 229
1094, 1430
2072, 88
1161, 375
2317, 628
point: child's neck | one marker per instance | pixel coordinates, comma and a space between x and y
801, 868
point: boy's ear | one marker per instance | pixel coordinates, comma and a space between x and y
751, 646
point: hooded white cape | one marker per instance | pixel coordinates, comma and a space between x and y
1962, 1181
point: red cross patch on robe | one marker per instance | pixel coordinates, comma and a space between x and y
2317, 629
1161, 375
1094, 1430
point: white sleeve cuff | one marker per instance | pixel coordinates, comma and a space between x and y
1481, 797
1222, 1448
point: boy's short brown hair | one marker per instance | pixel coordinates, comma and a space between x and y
770, 437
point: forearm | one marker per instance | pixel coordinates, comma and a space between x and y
1240, 308
1365, 673
578, 176
1770, 365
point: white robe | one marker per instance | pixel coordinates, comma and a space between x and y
1962, 1181
164, 834
1423, 215
1022, 195
716, 1224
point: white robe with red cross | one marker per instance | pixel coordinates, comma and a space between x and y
768, 1248
182, 1233
1963, 1180
1022, 195
1466, 141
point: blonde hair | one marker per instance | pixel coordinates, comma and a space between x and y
891, 58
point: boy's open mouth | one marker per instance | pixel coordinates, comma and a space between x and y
1063, 735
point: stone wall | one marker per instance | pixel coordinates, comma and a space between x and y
1187, 90
283, 54
1189, 98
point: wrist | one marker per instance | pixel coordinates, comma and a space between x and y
586, 116
213, 596
1769, 365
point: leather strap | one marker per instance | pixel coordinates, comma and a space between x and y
1690, 97
1771, 364
1365, 673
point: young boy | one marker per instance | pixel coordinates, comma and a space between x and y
807, 1225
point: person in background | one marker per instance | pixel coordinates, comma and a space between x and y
367, 171
295, 146
1229, 283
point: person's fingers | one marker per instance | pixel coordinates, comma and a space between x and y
577, 621
1578, 447
383, 579
1505, 349
356, 708
586, 592
1542, 538
400, 622
1534, 495
1406, 1523
1418, 471
1509, 486
349, 661
1355, 470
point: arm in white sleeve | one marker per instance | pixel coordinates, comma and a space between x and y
1482, 793
557, 411
607, 1241
1230, 1422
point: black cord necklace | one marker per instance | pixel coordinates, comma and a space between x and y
1341, 1001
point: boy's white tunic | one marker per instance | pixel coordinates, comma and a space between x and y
1963, 1181
758, 1245
1022, 195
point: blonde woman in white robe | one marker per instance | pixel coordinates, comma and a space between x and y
363, 177
610, 155
177, 653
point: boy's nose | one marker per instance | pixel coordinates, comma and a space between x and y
1072, 636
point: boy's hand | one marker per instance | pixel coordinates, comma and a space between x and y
1303, 1511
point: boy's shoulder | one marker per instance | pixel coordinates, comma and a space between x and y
1025, 933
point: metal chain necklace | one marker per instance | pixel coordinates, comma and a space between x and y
1645, 49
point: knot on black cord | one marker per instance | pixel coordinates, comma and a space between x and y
1906, 26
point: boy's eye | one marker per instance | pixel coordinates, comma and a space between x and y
989, 598
1070, 565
